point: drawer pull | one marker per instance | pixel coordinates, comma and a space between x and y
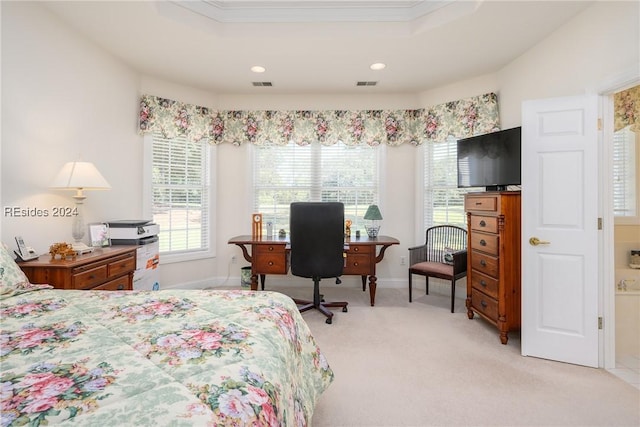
483, 283
270, 248
483, 224
120, 287
483, 304
356, 249
355, 264
483, 263
483, 243
478, 203
270, 263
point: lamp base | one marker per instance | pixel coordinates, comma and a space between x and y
372, 230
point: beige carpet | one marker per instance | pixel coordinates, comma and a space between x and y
416, 364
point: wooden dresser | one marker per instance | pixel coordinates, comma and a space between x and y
107, 269
493, 263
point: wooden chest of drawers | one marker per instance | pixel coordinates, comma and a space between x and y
493, 262
108, 269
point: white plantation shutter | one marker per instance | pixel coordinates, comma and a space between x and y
443, 201
180, 194
624, 173
293, 173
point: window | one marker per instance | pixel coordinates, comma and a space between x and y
179, 190
315, 173
625, 202
443, 201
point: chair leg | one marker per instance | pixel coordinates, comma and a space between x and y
453, 293
319, 304
427, 282
410, 287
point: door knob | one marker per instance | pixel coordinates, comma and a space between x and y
534, 241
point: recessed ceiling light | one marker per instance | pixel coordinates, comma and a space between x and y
377, 66
258, 69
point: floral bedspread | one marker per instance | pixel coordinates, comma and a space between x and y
152, 358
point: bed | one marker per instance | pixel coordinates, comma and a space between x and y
169, 357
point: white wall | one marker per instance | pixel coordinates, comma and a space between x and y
62, 98
579, 58
62, 95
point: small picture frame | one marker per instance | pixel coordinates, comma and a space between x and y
99, 234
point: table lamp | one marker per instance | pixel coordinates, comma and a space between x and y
373, 214
79, 176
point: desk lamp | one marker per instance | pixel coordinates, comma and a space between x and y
373, 214
79, 176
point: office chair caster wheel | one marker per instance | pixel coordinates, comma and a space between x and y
328, 321
344, 309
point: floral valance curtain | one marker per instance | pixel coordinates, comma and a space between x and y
626, 107
462, 118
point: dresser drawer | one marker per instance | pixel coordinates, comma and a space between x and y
269, 259
359, 264
488, 224
484, 304
119, 284
484, 242
122, 265
86, 279
484, 283
481, 203
484, 263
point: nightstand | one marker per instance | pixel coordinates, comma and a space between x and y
107, 269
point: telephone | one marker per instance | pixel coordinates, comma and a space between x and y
24, 252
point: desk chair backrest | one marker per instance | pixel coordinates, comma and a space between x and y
317, 239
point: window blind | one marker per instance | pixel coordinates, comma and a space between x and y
180, 194
336, 173
443, 200
624, 173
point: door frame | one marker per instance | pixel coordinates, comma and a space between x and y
607, 290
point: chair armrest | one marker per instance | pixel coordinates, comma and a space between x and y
459, 261
417, 254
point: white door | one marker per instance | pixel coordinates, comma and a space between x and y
559, 208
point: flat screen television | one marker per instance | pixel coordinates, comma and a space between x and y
491, 160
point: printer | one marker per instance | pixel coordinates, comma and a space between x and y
143, 233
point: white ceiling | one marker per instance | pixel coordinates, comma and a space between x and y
316, 46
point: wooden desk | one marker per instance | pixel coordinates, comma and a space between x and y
271, 256
109, 269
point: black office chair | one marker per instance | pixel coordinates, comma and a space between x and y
317, 248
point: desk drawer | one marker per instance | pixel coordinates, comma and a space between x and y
360, 249
269, 259
89, 278
122, 265
357, 264
484, 263
484, 304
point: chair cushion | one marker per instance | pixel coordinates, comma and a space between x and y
434, 268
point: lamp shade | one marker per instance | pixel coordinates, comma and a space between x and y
373, 213
75, 175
